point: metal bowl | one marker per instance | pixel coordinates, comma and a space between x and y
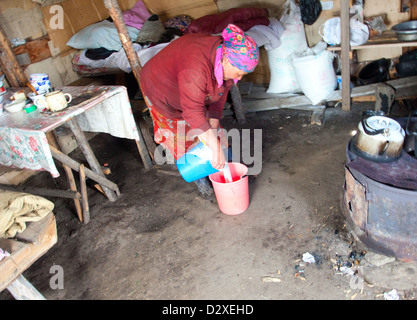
15, 106
406, 31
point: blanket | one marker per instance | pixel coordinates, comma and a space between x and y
117, 60
18, 208
244, 18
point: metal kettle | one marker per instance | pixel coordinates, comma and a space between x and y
379, 138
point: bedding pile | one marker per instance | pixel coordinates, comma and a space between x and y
100, 50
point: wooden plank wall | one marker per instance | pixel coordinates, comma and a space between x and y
44, 42
167, 8
77, 15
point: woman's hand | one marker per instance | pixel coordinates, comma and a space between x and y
214, 123
210, 138
218, 160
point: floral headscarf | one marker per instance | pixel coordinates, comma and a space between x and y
240, 49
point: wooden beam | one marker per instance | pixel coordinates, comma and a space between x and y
9, 64
116, 15
37, 49
262, 101
43, 191
21, 289
144, 128
345, 37
50, 136
413, 9
84, 198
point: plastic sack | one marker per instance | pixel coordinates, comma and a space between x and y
310, 10
315, 73
359, 32
293, 39
330, 31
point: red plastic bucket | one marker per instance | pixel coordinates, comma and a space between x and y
232, 197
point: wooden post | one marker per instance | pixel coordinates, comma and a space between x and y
70, 176
21, 289
84, 198
345, 46
9, 64
413, 9
149, 142
116, 15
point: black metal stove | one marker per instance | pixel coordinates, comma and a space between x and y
380, 203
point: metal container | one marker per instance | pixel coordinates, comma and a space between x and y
379, 138
406, 31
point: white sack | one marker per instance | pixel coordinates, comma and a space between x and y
292, 40
315, 73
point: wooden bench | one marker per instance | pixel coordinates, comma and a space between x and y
24, 250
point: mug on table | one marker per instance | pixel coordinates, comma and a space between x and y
38, 100
57, 100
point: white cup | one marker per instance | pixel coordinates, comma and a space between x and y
38, 100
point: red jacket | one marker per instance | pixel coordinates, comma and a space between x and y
180, 83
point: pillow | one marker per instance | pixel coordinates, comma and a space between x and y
152, 30
102, 34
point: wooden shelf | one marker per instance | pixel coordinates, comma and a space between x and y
386, 40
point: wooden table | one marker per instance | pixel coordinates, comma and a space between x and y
24, 143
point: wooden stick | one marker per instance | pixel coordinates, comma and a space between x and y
345, 37
89, 155
84, 199
99, 188
73, 187
150, 143
89, 173
70, 176
43, 191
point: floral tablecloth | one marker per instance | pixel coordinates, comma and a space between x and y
23, 143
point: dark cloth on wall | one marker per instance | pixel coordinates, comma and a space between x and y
244, 18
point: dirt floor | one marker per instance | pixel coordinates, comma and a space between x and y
160, 240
